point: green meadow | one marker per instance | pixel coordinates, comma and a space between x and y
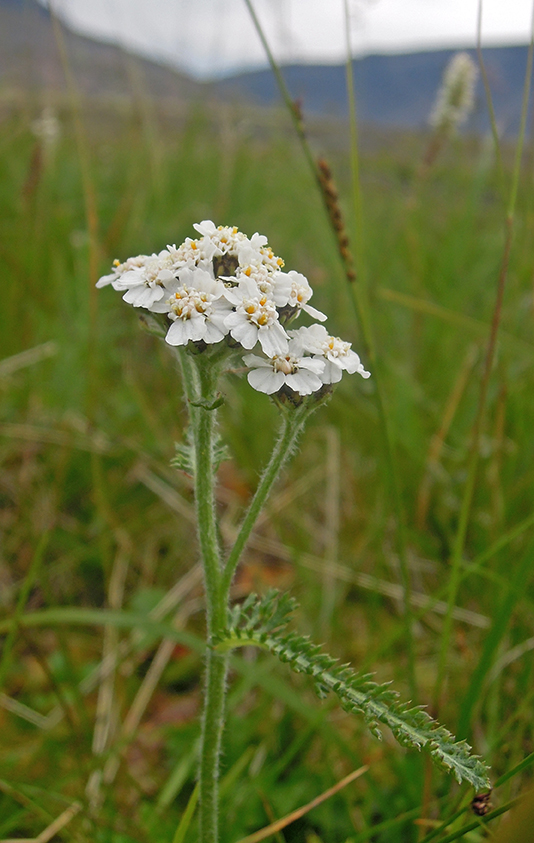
100, 591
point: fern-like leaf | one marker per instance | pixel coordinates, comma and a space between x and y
184, 458
262, 622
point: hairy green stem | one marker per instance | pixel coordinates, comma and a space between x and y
204, 429
212, 729
217, 590
200, 383
200, 374
292, 424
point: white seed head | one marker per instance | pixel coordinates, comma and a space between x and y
456, 96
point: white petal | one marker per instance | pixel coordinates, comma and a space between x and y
246, 333
206, 227
131, 278
220, 308
219, 320
232, 295
160, 306
352, 363
332, 373
106, 279
304, 382
166, 276
265, 380
254, 360
258, 240
212, 333
176, 335
309, 339
209, 249
273, 340
247, 287
314, 313
233, 319
142, 296
312, 364
195, 327
282, 287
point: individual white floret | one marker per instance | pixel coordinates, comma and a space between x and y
269, 259
147, 284
197, 307
250, 251
276, 286
338, 355
301, 374
301, 292
193, 251
255, 318
225, 238
120, 268
144, 279
206, 228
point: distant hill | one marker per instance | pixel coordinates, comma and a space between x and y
392, 90
30, 60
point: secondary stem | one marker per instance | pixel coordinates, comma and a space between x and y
292, 423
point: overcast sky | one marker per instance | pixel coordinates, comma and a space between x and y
209, 37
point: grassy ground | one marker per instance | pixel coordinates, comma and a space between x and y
93, 516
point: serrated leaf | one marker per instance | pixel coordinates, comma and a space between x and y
263, 621
184, 457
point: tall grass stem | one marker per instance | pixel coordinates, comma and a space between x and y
360, 299
363, 315
472, 464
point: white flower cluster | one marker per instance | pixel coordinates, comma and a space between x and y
227, 285
456, 97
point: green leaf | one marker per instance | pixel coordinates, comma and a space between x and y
209, 405
184, 458
263, 621
185, 822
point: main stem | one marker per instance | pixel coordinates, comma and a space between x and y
200, 385
200, 389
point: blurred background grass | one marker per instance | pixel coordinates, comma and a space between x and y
93, 516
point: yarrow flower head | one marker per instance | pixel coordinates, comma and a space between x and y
229, 289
